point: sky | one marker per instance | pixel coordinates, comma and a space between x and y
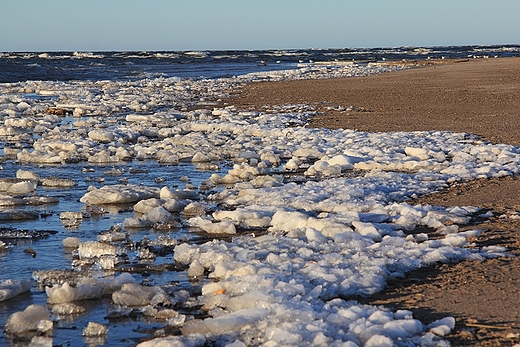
169, 25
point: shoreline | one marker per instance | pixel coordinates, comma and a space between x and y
477, 97
473, 96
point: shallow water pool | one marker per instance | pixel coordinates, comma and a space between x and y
26, 255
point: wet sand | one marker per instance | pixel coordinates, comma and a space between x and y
475, 96
480, 97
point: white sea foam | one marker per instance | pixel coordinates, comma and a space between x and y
345, 229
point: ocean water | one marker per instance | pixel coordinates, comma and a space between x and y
66, 66
107, 87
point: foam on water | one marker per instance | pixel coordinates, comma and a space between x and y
317, 216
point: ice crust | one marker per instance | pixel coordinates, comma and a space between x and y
342, 231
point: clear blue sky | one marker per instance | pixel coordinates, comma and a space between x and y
95, 25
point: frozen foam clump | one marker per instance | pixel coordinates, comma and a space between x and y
26, 320
11, 288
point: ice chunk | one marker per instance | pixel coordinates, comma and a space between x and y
65, 293
174, 205
67, 309
76, 215
45, 326
11, 288
27, 320
442, 327
95, 329
145, 206
135, 295
314, 235
41, 341
159, 215
60, 294
92, 249
195, 269
344, 161
222, 227
24, 174
291, 165
225, 324
323, 168
137, 223
57, 182
200, 157
379, 341
420, 153
401, 328
101, 135
22, 188
367, 229
166, 193
194, 340
286, 221
111, 285
119, 194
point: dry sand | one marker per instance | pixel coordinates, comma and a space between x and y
479, 97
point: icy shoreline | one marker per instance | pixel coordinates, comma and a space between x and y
342, 230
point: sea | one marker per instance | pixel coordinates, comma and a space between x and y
95, 66
37, 244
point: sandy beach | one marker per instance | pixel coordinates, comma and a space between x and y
479, 97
